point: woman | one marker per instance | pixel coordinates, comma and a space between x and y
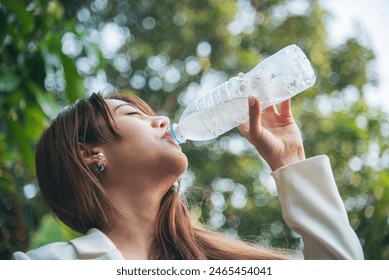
108, 168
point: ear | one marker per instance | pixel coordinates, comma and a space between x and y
93, 156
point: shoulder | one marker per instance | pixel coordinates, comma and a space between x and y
52, 251
93, 245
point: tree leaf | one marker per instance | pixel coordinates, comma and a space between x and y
8, 81
18, 137
47, 104
25, 17
74, 84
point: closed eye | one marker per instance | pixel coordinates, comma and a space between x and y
134, 113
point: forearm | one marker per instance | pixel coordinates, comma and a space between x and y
311, 206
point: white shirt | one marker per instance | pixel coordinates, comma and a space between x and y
311, 206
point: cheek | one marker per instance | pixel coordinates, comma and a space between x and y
134, 140
136, 150
128, 149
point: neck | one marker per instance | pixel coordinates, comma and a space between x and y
132, 240
134, 228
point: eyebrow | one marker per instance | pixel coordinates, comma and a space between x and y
121, 105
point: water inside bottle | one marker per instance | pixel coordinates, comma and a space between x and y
207, 124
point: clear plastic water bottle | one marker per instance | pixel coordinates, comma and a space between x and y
276, 79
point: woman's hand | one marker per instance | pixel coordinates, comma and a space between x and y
275, 135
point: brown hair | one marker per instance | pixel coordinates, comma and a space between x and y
75, 191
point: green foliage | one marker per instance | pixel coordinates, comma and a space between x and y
30, 50
168, 51
50, 230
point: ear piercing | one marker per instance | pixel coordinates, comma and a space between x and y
100, 155
175, 187
101, 165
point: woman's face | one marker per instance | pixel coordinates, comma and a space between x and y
145, 148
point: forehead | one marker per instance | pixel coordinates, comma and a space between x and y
115, 103
133, 101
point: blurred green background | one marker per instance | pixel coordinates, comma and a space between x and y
169, 52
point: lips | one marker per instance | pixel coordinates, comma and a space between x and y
167, 136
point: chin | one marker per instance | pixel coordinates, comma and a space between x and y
183, 165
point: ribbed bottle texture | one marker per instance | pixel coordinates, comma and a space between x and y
277, 78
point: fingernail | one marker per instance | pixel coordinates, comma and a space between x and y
251, 100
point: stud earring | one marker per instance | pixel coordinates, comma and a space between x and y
101, 167
100, 155
175, 187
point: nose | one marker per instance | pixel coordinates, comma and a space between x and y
160, 122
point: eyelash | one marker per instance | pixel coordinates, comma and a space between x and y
133, 113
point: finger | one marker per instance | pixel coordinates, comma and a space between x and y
286, 109
271, 109
255, 114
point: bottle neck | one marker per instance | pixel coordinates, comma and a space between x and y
176, 134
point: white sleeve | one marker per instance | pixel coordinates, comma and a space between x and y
311, 206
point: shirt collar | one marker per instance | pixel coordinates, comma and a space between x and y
95, 245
